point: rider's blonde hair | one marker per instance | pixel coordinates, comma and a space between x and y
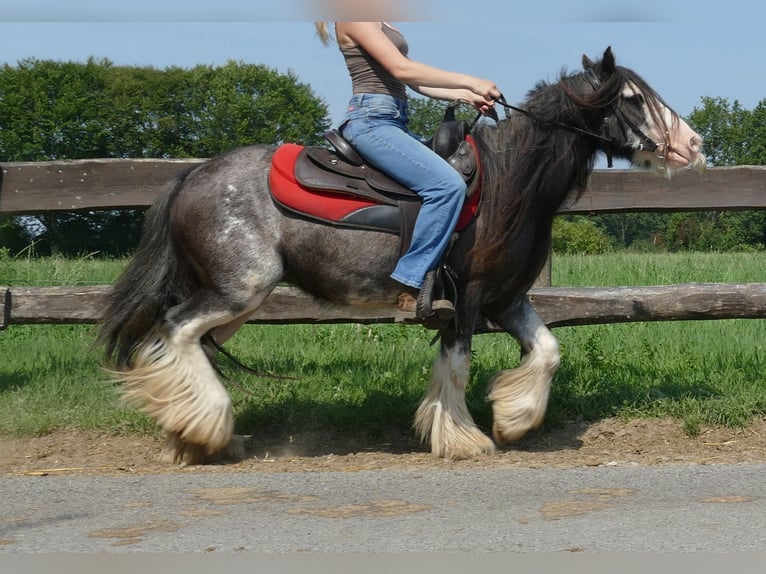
323, 31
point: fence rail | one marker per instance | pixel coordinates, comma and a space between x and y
98, 184
558, 306
35, 187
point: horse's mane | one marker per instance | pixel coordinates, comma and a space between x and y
530, 164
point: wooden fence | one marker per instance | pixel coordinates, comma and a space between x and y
35, 187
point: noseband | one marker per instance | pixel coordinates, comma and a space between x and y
615, 124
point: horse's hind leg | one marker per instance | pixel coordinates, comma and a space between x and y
520, 396
172, 380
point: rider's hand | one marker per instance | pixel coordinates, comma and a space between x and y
484, 105
486, 89
484, 94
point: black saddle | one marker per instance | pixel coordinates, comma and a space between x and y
343, 170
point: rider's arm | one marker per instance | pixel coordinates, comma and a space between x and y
370, 36
448, 94
455, 95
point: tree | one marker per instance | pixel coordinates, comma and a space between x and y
14, 237
577, 234
66, 110
733, 135
425, 115
634, 230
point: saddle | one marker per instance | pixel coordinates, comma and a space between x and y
337, 187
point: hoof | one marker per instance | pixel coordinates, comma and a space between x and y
178, 451
504, 436
479, 445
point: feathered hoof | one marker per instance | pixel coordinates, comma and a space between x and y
478, 446
178, 451
511, 425
456, 442
452, 434
519, 400
507, 435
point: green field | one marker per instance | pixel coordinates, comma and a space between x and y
368, 379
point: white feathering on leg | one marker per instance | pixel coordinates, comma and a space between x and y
520, 395
173, 382
443, 416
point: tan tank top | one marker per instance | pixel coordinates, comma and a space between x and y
367, 75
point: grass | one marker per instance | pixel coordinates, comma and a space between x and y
624, 268
357, 378
27, 270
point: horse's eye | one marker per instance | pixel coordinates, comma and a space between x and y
635, 99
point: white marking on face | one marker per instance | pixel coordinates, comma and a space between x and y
679, 145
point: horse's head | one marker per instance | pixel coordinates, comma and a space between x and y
638, 125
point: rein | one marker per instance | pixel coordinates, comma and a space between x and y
615, 118
503, 102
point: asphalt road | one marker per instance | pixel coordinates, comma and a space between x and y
603, 509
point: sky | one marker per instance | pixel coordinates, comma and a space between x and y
685, 50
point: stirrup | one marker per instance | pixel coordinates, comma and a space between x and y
440, 315
435, 311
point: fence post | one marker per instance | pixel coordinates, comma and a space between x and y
5, 307
545, 277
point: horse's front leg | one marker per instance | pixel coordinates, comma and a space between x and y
443, 416
520, 396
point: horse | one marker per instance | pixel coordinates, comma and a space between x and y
215, 244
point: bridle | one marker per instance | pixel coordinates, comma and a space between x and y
615, 120
615, 124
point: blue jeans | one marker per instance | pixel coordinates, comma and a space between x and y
376, 126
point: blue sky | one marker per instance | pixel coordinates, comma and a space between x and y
685, 50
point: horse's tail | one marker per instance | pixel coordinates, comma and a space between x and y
149, 286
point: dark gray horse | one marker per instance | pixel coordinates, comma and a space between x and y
215, 245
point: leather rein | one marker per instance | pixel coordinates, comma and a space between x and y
615, 119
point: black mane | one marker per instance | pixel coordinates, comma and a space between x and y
530, 163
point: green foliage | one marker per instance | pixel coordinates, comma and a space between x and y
717, 231
641, 231
579, 234
67, 110
14, 237
246, 103
53, 110
733, 135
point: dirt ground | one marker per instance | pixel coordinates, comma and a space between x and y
605, 443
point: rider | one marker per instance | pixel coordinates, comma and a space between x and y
375, 124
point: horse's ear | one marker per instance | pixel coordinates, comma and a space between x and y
587, 63
607, 63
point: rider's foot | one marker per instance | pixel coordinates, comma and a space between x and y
407, 303
442, 310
